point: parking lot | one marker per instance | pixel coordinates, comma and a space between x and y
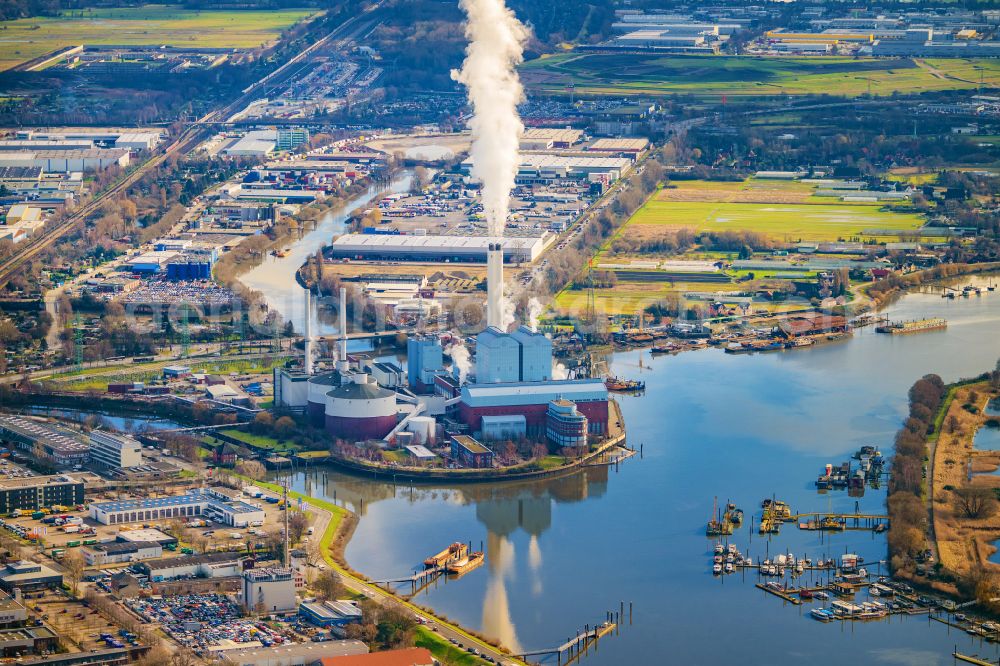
203, 621
211, 535
77, 625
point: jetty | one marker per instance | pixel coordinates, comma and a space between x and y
971, 660
573, 647
779, 592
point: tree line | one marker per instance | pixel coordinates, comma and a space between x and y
907, 538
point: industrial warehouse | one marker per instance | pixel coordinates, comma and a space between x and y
210, 503
397, 247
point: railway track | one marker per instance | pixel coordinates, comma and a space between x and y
194, 134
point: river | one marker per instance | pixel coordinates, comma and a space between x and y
275, 276
562, 552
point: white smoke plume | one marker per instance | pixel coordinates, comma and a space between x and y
534, 312
489, 72
559, 371
461, 359
496, 43
509, 313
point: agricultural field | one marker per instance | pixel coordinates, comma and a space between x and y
782, 222
787, 211
736, 76
29, 38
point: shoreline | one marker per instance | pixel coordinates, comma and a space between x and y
420, 475
338, 530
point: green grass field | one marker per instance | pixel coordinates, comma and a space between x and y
785, 222
29, 38
735, 76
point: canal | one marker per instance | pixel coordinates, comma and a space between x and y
275, 276
562, 552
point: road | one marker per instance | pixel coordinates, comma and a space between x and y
190, 137
103, 368
449, 632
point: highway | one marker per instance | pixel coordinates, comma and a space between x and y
191, 136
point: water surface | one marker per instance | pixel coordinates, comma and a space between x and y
562, 552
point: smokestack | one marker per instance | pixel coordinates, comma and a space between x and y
308, 364
494, 284
489, 72
342, 364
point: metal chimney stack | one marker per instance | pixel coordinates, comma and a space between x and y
494, 284
308, 364
342, 361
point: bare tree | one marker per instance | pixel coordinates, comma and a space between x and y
975, 502
328, 586
74, 565
251, 469
298, 522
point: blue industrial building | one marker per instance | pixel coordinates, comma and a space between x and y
536, 355
424, 359
194, 265
189, 270
522, 356
503, 427
498, 357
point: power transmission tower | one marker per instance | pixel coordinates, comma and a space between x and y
185, 337
78, 343
286, 556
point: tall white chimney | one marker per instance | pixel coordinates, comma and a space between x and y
342, 361
494, 283
308, 365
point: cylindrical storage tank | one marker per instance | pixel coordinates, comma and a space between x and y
360, 410
423, 429
319, 386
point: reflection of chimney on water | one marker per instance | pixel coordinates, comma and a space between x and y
497, 622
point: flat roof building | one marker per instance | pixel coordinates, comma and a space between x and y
38, 492
64, 447
531, 400
293, 654
469, 249
114, 451
201, 503
117, 552
28, 576
207, 565
269, 590
412, 656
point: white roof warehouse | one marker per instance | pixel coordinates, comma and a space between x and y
470, 249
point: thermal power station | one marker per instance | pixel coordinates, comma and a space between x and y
347, 402
511, 393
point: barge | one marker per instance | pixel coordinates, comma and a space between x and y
915, 326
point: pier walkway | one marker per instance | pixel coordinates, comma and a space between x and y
573, 645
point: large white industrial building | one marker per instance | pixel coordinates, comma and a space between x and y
471, 249
65, 161
114, 451
269, 590
198, 503
109, 138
